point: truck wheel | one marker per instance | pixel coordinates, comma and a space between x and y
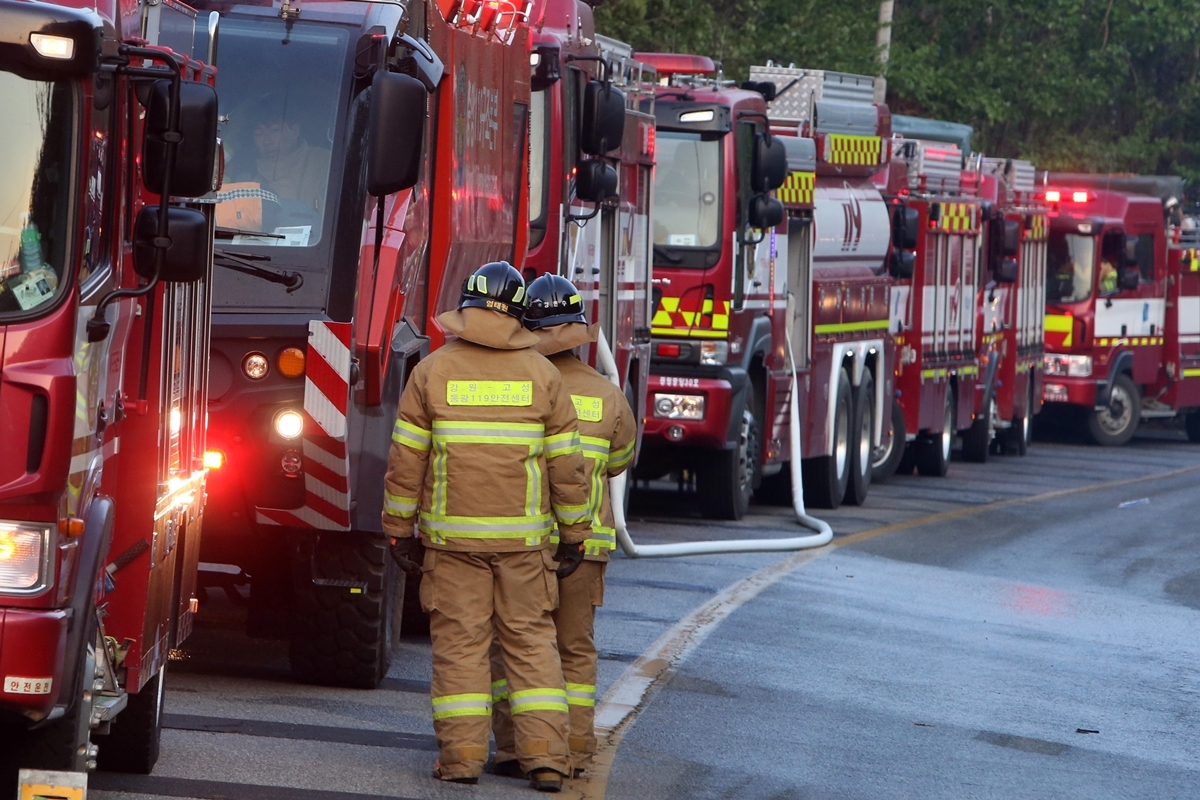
863, 429
931, 452
977, 441
826, 477
133, 742
344, 635
1193, 426
725, 484
888, 457
1115, 423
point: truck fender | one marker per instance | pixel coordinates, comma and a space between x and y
1122, 363
93, 548
374, 440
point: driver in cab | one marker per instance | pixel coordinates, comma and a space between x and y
287, 164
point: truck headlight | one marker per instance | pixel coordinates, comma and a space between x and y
714, 354
23, 549
679, 406
289, 424
1068, 365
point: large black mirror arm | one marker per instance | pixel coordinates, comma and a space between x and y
98, 327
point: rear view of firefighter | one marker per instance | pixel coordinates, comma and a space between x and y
486, 457
607, 430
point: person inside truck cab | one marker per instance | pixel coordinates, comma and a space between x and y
286, 163
1108, 276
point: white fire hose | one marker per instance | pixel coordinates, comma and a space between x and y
616, 488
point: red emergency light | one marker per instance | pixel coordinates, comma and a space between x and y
668, 350
1056, 196
678, 63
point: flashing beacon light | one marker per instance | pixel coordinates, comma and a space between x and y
214, 459
1053, 196
1079, 197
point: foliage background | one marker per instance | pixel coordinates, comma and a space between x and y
1084, 85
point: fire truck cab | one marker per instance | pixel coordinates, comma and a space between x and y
108, 135
719, 375
335, 261
1122, 303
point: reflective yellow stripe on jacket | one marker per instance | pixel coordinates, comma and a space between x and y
603, 538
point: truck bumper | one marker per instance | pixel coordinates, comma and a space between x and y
32, 651
1057, 390
710, 432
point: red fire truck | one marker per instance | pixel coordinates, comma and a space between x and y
103, 361
337, 269
1011, 340
1122, 303
729, 264
600, 242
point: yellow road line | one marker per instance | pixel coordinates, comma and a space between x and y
617, 712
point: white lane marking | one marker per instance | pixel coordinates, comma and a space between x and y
633, 688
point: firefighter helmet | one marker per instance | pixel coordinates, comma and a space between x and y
553, 300
496, 286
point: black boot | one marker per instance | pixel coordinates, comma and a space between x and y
546, 780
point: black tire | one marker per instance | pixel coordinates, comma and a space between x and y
725, 484
1192, 423
340, 637
826, 477
863, 430
977, 441
1116, 423
888, 457
132, 744
931, 452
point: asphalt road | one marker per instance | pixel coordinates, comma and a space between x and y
1008, 631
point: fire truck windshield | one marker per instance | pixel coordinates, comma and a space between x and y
280, 89
1070, 259
37, 131
687, 188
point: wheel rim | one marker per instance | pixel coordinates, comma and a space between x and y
745, 467
864, 443
1118, 414
841, 447
947, 433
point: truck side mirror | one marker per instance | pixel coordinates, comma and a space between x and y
596, 181
196, 152
769, 168
395, 129
1129, 279
1012, 237
1006, 271
906, 228
186, 259
902, 265
765, 212
603, 123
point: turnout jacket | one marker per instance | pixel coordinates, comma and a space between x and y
607, 430
485, 452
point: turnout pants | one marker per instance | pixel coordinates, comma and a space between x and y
579, 595
473, 598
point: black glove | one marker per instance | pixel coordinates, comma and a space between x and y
408, 553
569, 557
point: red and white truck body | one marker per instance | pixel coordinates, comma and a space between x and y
1122, 303
103, 368
606, 254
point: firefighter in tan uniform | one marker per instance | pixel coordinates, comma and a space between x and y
607, 429
486, 457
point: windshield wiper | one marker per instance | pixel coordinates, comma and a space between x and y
229, 233
241, 262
